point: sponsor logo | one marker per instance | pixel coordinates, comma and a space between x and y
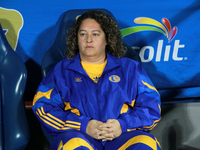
147, 53
114, 78
160, 51
11, 21
153, 25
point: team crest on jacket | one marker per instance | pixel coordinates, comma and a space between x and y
78, 79
114, 78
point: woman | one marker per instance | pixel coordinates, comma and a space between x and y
96, 98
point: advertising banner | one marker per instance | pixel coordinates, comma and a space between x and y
165, 34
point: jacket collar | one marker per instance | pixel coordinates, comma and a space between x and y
112, 62
75, 63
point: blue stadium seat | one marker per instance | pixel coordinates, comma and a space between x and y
14, 131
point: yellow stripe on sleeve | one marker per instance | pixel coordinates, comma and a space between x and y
146, 127
128, 130
42, 94
50, 120
153, 125
73, 110
149, 86
133, 103
55, 122
72, 122
72, 126
58, 120
124, 108
47, 122
159, 108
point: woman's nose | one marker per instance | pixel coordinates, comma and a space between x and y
89, 39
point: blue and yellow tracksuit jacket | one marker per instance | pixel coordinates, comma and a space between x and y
67, 98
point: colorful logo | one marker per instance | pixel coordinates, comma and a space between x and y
154, 25
114, 78
11, 21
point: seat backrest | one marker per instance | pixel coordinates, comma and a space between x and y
13, 74
57, 51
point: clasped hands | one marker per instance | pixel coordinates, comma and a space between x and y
104, 131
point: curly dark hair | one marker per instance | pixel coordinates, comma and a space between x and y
108, 25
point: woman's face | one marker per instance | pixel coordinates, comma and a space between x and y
91, 41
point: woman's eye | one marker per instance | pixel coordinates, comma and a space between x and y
95, 34
82, 34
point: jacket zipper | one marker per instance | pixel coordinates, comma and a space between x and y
97, 95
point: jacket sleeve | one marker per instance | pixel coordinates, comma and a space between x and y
144, 111
55, 115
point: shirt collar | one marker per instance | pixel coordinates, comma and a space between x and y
75, 63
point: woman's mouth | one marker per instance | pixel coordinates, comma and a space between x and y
89, 47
